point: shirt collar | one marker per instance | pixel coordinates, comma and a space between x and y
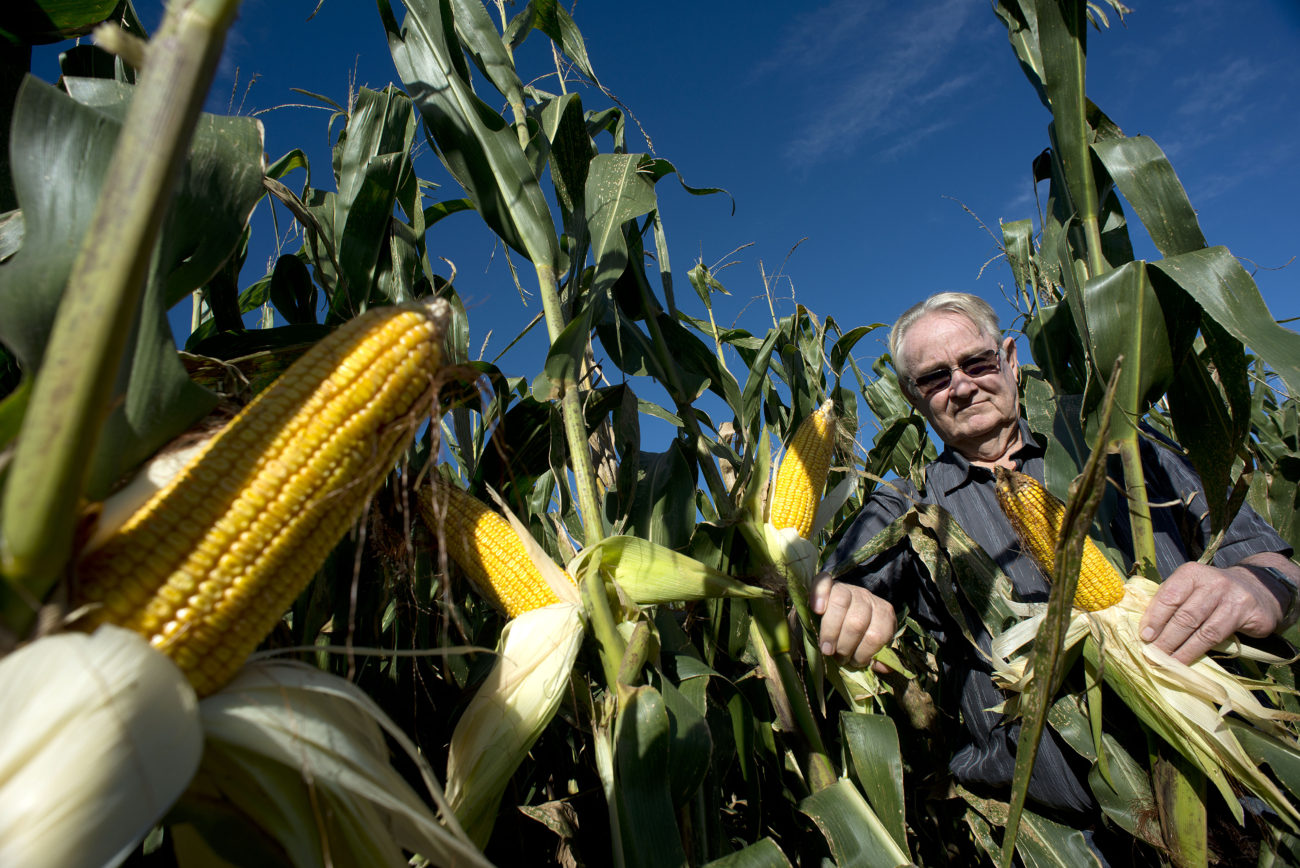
951, 469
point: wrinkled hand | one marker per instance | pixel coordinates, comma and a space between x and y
1199, 606
855, 622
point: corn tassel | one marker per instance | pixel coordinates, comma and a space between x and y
209, 564
485, 546
802, 474
1037, 515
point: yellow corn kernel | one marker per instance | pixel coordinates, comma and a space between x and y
485, 546
802, 474
303, 457
1036, 515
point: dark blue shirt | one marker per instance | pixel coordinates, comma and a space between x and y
986, 755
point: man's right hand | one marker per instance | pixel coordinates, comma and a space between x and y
855, 622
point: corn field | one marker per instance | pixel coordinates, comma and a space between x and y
488, 622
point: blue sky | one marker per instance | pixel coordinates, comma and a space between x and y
871, 138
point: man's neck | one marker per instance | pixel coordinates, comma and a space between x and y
995, 451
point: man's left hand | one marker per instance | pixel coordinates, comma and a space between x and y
1199, 606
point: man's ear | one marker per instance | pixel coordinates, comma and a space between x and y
1009, 353
907, 395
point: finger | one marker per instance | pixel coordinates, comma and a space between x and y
1179, 629
879, 633
821, 590
854, 627
1225, 614
1164, 603
1210, 633
1202, 616
835, 607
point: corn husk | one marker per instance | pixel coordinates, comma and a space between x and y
1186, 705
151, 478
793, 556
301, 755
795, 559
560, 581
535, 655
99, 734
649, 573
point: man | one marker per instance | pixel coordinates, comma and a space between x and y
961, 375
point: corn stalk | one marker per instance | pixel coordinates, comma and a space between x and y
1092, 304
71, 397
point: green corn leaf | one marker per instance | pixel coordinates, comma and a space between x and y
690, 747
550, 17
1228, 295
617, 190
1143, 174
372, 164
763, 853
485, 47
478, 147
873, 744
1125, 318
1018, 241
1126, 795
855, 834
641, 753
36, 22
662, 508
1045, 843
1062, 37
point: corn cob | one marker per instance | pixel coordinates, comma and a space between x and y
209, 564
487, 548
1037, 515
802, 474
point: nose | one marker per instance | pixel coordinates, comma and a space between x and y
962, 385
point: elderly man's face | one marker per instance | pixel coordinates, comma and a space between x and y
970, 412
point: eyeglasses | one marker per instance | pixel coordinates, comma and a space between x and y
978, 365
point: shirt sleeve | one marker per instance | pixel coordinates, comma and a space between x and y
896, 574
1247, 533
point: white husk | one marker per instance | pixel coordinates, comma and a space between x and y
513, 706
99, 735
795, 556
561, 583
1188, 701
834, 500
148, 481
302, 754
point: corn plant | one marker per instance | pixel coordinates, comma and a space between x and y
102, 386
604, 650
1180, 324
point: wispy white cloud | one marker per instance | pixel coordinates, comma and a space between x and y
1240, 171
865, 72
1218, 102
913, 139
1213, 91
825, 32
1024, 204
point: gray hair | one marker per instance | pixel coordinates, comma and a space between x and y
974, 308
